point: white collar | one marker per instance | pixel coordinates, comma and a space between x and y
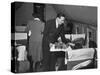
37, 19
56, 23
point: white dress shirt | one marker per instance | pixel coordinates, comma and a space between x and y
56, 24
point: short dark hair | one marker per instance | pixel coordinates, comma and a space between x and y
35, 15
60, 14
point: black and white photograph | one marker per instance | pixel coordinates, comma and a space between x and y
48, 37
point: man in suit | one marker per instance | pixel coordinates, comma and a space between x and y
51, 29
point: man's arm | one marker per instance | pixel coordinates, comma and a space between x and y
28, 28
46, 29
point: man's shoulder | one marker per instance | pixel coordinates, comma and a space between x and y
51, 20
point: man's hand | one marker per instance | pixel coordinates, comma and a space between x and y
72, 44
50, 45
59, 39
29, 34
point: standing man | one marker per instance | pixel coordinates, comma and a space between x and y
50, 29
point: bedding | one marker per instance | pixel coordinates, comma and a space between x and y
80, 58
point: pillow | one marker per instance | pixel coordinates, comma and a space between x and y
76, 36
67, 36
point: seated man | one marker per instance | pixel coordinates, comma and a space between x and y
79, 43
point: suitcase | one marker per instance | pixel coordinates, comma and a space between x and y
24, 66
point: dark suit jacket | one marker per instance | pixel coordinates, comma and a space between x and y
51, 33
49, 30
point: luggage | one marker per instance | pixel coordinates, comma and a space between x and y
24, 66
